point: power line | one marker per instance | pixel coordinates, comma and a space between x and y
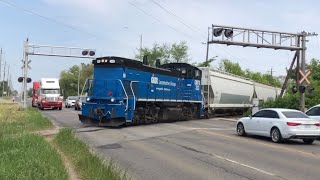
150, 15
47, 18
189, 26
176, 16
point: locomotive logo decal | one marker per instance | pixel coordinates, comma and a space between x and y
155, 80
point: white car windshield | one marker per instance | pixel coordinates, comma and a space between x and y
294, 114
72, 98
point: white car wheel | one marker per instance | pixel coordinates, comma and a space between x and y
276, 135
240, 129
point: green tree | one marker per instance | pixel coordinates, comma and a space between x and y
69, 79
29, 92
235, 68
5, 88
291, 100
177, 52
231, 67
206, 63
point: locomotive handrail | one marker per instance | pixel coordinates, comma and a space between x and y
134, 96
125, 92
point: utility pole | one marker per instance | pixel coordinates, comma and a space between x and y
4, 76
7, 92
207, 54
303, 68
140, 47
25, 72
79, 80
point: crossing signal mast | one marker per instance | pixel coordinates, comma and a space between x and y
48, 50
247, 37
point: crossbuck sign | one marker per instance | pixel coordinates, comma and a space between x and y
304, 76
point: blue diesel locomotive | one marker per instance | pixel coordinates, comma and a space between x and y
126, 91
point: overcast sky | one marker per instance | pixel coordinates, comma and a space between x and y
112, 27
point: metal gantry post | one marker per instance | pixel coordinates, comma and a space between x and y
25, 73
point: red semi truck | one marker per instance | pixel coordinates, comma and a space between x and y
50, 97
35, 94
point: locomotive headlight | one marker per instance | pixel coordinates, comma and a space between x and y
112, 99
98, 61
88, 99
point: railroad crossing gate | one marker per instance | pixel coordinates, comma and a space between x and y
304, 77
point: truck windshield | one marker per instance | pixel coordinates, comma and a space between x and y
50, 91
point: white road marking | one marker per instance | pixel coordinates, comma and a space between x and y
244, 165
227, 119
213, 128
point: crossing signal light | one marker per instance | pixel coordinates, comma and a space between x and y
228, 33
29, 80
20, 79
294, 89
310, 89
87, 52
92, 53
217, 32
302, 89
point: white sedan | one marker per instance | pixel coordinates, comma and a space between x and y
280, 124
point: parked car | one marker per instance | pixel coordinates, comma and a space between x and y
70, 101
78, 103
280, 124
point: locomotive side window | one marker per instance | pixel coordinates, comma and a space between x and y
197, 73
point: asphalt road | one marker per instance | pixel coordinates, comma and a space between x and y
197, 149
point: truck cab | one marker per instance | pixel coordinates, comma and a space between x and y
50, 97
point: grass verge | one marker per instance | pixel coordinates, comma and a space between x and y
88, 165
14, 121
29, 156
23, 154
